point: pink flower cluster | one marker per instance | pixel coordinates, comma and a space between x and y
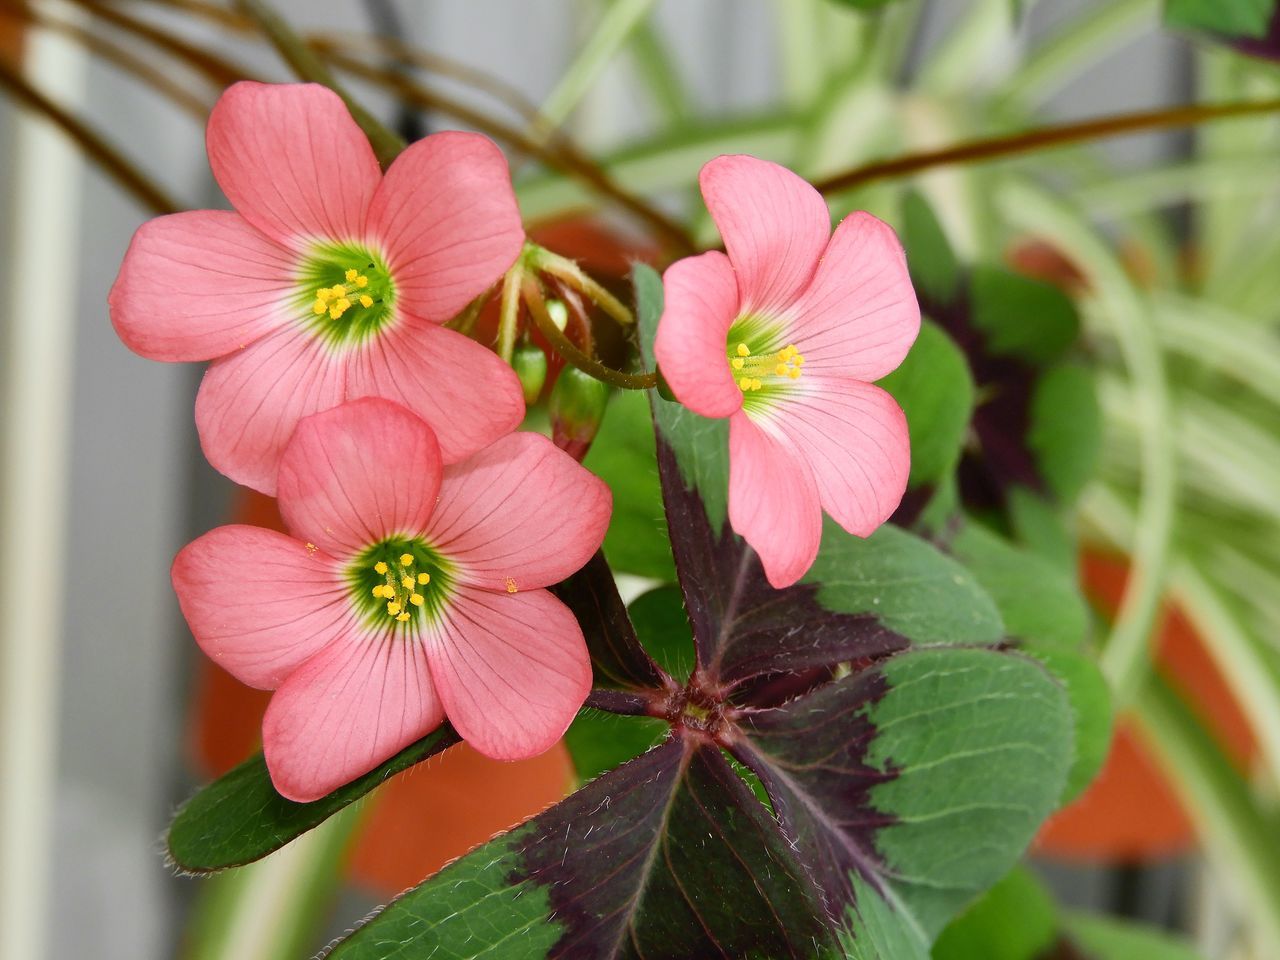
423, 530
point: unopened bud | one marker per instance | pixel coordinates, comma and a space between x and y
530, 365
577, 407
559, 313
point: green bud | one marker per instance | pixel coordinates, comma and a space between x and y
559, 313
577, 407
530, 365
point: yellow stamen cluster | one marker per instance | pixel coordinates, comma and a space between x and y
341, 297
749, 370
400, 588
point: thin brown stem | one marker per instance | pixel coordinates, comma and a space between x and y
1044, 138
672, 233
559, 153
116, 55
146, 191
306, 63
532, 292
219, 70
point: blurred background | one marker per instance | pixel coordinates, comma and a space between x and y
105, 716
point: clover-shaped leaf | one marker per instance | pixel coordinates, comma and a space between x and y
906, 759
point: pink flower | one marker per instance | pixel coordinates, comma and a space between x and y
783, 336
408, 592
329, 282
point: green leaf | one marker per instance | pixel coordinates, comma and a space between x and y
1066, 429
1022, 317
240, 818
935, 389
598, 742
669, 855
934, 268
1038, 603
906, 583
1105, 938
1015, 920
981, 743
663, 628
1090, 699
1040, 526
622, 455
1233, 18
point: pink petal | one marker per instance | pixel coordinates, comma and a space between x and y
854, 437
774, 225
259, 603
700, 305
466, 394
292, 161
357, 474
773, 500
511, 669
250, 402
859, 317
358, 702
519, 514
194, 286
447, 218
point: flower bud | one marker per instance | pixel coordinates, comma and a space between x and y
577, 407
530, 365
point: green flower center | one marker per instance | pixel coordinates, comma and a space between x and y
760, 362
345, 292
400, 581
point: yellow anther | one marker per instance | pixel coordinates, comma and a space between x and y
324, 295
406, 559
406, 582
362, 280
337, 290
380, 567
424, 578
351, 275
744, 350
794, 373
780, 369
416, 599
366, 300
402, 617
511, 585
377, 591
335, 312
799, 361
744, 384
736, 362
393, 607
318, 308
756, 384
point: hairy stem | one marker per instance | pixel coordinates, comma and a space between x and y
565, 269
562, 345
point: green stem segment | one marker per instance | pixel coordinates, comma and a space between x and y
1043, 138
562, 268
509, 313
532, 293
308, 65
